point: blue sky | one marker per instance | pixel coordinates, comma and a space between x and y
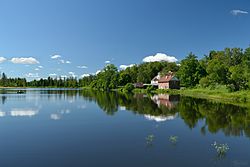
89, 32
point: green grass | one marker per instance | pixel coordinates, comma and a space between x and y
219, 94
239, 98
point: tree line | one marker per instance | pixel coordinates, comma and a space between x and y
229, 67
48, 82
110, 77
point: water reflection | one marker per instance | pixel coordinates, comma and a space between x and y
230, 119
20, 112
2, 114
3, 99
55, 117
169, 101
159, 118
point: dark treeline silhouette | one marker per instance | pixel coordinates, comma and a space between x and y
49, 82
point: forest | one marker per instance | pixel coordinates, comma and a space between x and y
229, 68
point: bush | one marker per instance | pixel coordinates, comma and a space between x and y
128, 88
150, 89
204, 82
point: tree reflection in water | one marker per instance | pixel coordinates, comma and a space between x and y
232, 120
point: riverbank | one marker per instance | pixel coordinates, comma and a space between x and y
220, 95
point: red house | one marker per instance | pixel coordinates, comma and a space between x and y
169, 82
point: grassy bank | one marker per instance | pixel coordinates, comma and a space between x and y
221, 94
217, 94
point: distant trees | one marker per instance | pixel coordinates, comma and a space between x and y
229, 67
12, 82
55, 82
49, 82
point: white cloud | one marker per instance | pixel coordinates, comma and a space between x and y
2, 59
98, 71
40, 66
64, 76
72, 74
82, 67
56, 56
123, 67
85, 75
52, 75
236, 12
64, 61
24, 60
107, 61
32, 75
160, 57
37, 69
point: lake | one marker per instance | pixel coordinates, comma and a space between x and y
71, 127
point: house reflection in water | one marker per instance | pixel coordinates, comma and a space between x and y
169, 101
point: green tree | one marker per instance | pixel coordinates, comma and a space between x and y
190, 71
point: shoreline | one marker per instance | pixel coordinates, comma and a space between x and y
237, 98
240, 98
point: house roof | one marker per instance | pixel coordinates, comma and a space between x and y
168, 78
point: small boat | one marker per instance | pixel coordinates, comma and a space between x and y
20, 92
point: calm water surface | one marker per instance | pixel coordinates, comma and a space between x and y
67, 128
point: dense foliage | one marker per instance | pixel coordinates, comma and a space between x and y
230, 67
110, 77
